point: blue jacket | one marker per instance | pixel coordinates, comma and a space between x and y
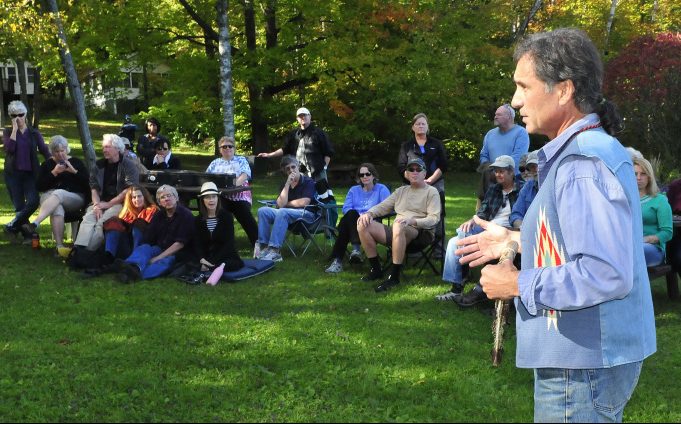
585, 298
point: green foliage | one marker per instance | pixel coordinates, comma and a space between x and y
464, 155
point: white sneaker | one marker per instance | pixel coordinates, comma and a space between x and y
335, 267
273, 256
256, 251
355, 257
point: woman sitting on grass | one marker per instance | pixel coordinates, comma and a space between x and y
214, 235
362, 197
164, 242
124, 233
655, 211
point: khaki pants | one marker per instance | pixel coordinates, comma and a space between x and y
91, 233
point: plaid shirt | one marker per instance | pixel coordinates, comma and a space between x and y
495, 200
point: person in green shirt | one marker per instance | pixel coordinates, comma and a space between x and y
655, 211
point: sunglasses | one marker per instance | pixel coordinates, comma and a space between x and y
361, 175
415, 169
18, 115
227, 146
162, 148
522, 169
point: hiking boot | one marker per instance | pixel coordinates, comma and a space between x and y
355, 257
386, 285
29, 228
374, 274
335, 267
455, 293
129, 273
471, 298
11, 230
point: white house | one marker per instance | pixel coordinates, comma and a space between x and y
10, 79
102, 92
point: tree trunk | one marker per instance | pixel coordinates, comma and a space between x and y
225, 51
37, 98
74, 88
521, 30
3, 110
608, 27
23, 93
259, 131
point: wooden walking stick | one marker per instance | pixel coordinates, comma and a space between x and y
501, 308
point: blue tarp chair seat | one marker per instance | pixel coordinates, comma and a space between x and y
252, 267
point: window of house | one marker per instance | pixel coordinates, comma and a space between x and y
30, 75
11, 74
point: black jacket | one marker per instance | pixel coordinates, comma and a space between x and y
317, 146
217, 247
75, 183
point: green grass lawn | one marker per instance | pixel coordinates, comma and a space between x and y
294, 344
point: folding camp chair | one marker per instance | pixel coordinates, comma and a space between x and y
308, 230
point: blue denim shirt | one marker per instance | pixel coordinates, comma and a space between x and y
585, 297
522, 204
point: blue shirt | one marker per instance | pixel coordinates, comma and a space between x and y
362, 201
305, 188
585, 298
524, 200
515, 142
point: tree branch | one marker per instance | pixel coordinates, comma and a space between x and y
205, 26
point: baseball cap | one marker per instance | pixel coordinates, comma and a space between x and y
416, 161
532, 157
125, 141
303, 111
503, 161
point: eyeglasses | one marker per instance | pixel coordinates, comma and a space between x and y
18, 115
522, 169
361, 175
162, 148
415, 169
227, 146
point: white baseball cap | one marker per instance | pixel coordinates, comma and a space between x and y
303, 111
503, 161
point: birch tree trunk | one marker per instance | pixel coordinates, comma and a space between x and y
225, 51
2, 98
535, 8
74, 87
608, 27
37, 98
23, 93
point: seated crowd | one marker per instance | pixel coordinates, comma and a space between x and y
140, 237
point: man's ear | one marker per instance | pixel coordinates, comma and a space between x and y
566, 92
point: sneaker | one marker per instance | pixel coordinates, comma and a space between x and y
374, 274
355, 257
386, 285
335, 267
273, 256
256, 251
129, 273
471, 298
455, 293
11, 230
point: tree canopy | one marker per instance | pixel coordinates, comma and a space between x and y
363, 67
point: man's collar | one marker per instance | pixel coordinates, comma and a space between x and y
555, 145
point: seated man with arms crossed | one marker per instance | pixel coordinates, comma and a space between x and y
417, 206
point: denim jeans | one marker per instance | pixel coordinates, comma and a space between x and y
273, 223
653, 253
24, 195
112, 243
587, 396
141, 257
453, 270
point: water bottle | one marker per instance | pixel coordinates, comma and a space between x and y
35, 241
216, 274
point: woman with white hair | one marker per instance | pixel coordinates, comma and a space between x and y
656, 213
22, 145
164, 243
64, 182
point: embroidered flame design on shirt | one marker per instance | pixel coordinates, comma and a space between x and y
546, 250
547, 253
